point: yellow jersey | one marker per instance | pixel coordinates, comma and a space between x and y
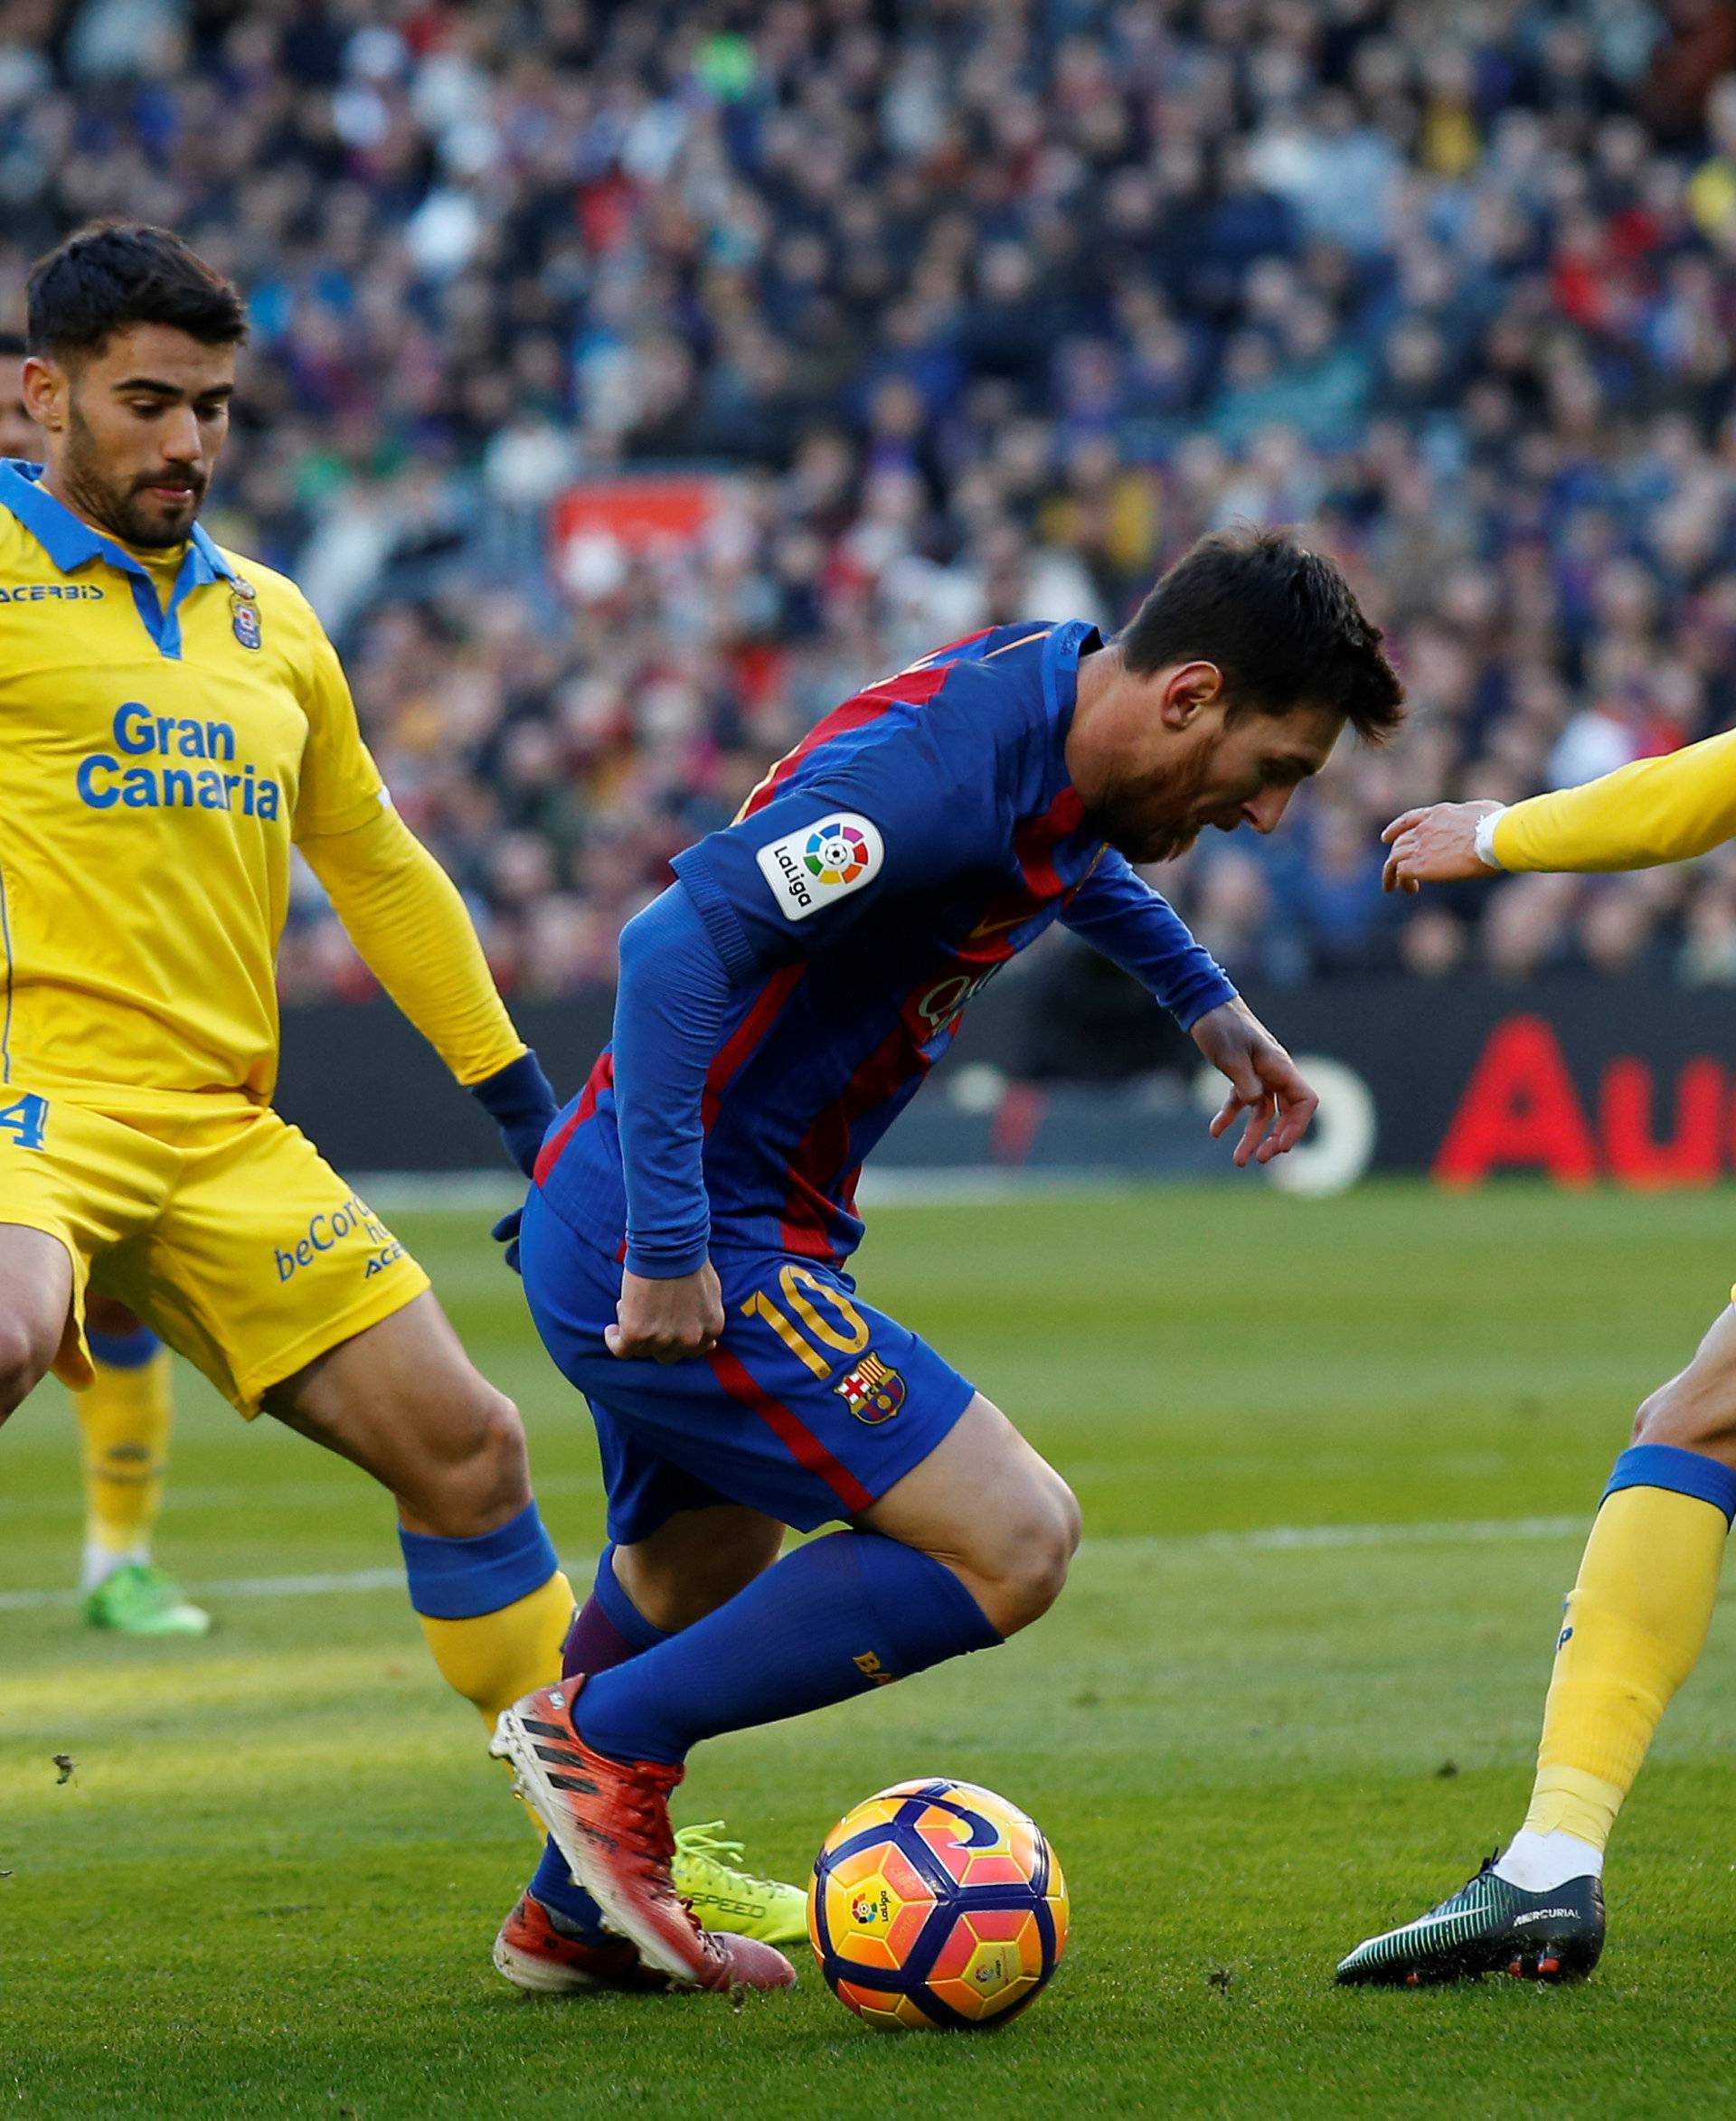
162, 749
1657, 810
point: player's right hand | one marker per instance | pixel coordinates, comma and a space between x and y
1435, 845
666, 1321
1264, 1082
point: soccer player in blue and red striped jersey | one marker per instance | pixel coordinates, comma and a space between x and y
686, 1244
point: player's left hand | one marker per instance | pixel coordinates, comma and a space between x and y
1265, 1083
1435, 845
520, 1101
505, 1232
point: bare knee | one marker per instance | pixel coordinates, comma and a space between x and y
35, 1300
1696, 1410
1692, 1412
475, 1473
994, 1512
402, 1401
27, 1351
1653, 1418
1018, 1565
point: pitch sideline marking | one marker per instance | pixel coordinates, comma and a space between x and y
303, 1494
1266, 1538
1260, 1539
244, 1587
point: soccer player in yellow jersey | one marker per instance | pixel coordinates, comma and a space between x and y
1636, 1619
172, 720
127, 1412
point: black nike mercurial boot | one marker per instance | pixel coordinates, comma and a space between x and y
1490, 1926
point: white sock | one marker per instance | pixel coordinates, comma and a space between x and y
1538, 1863
100, 1563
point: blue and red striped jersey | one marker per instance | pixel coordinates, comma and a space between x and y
918, 838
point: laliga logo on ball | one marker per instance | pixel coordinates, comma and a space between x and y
836, 853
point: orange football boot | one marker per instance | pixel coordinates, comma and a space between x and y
610, 1820
536, 1952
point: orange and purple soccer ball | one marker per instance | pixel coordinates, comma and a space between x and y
937, 1906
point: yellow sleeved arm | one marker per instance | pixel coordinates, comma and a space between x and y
1655, 810
340, 783
404, 915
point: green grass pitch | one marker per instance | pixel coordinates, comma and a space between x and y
270, 1886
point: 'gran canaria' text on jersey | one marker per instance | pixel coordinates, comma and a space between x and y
154, 768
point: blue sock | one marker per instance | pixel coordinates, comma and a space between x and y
123, 1350
463, 1578
1685, 1472
608, 1630
837, 1618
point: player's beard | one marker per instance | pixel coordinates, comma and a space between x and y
121, 507
1159, 819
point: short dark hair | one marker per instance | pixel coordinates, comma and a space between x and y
112, 275
12, 345
1281, 623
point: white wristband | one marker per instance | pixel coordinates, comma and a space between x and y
1484, 844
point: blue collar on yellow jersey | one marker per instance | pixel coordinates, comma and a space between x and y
71, 544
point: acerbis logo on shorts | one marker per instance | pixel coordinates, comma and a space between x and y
809, 868
354, 1218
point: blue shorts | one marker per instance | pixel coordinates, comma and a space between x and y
811, 1406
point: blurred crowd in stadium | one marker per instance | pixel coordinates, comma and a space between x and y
984, 310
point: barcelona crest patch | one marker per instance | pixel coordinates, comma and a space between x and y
871, 1390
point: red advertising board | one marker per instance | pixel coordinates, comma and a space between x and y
638, 510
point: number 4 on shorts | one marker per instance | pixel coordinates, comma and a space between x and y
25, 1119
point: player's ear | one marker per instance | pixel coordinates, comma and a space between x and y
1189, 691
47, 386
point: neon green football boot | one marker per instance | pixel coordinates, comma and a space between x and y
142, 1599
708, 1878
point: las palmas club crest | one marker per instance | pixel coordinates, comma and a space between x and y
871, 1390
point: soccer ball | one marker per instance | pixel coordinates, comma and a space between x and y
937, 1905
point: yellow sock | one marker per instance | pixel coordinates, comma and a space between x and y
494, 1658
124, 1421
1635, 1626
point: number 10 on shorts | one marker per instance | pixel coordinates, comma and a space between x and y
799, 1287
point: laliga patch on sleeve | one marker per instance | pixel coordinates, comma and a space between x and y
810, 868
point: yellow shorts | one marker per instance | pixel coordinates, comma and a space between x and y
218, 1222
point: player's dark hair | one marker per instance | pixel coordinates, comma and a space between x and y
12, 346
113, 275
1281, 623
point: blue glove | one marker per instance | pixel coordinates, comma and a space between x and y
505, 1232
519, 1100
